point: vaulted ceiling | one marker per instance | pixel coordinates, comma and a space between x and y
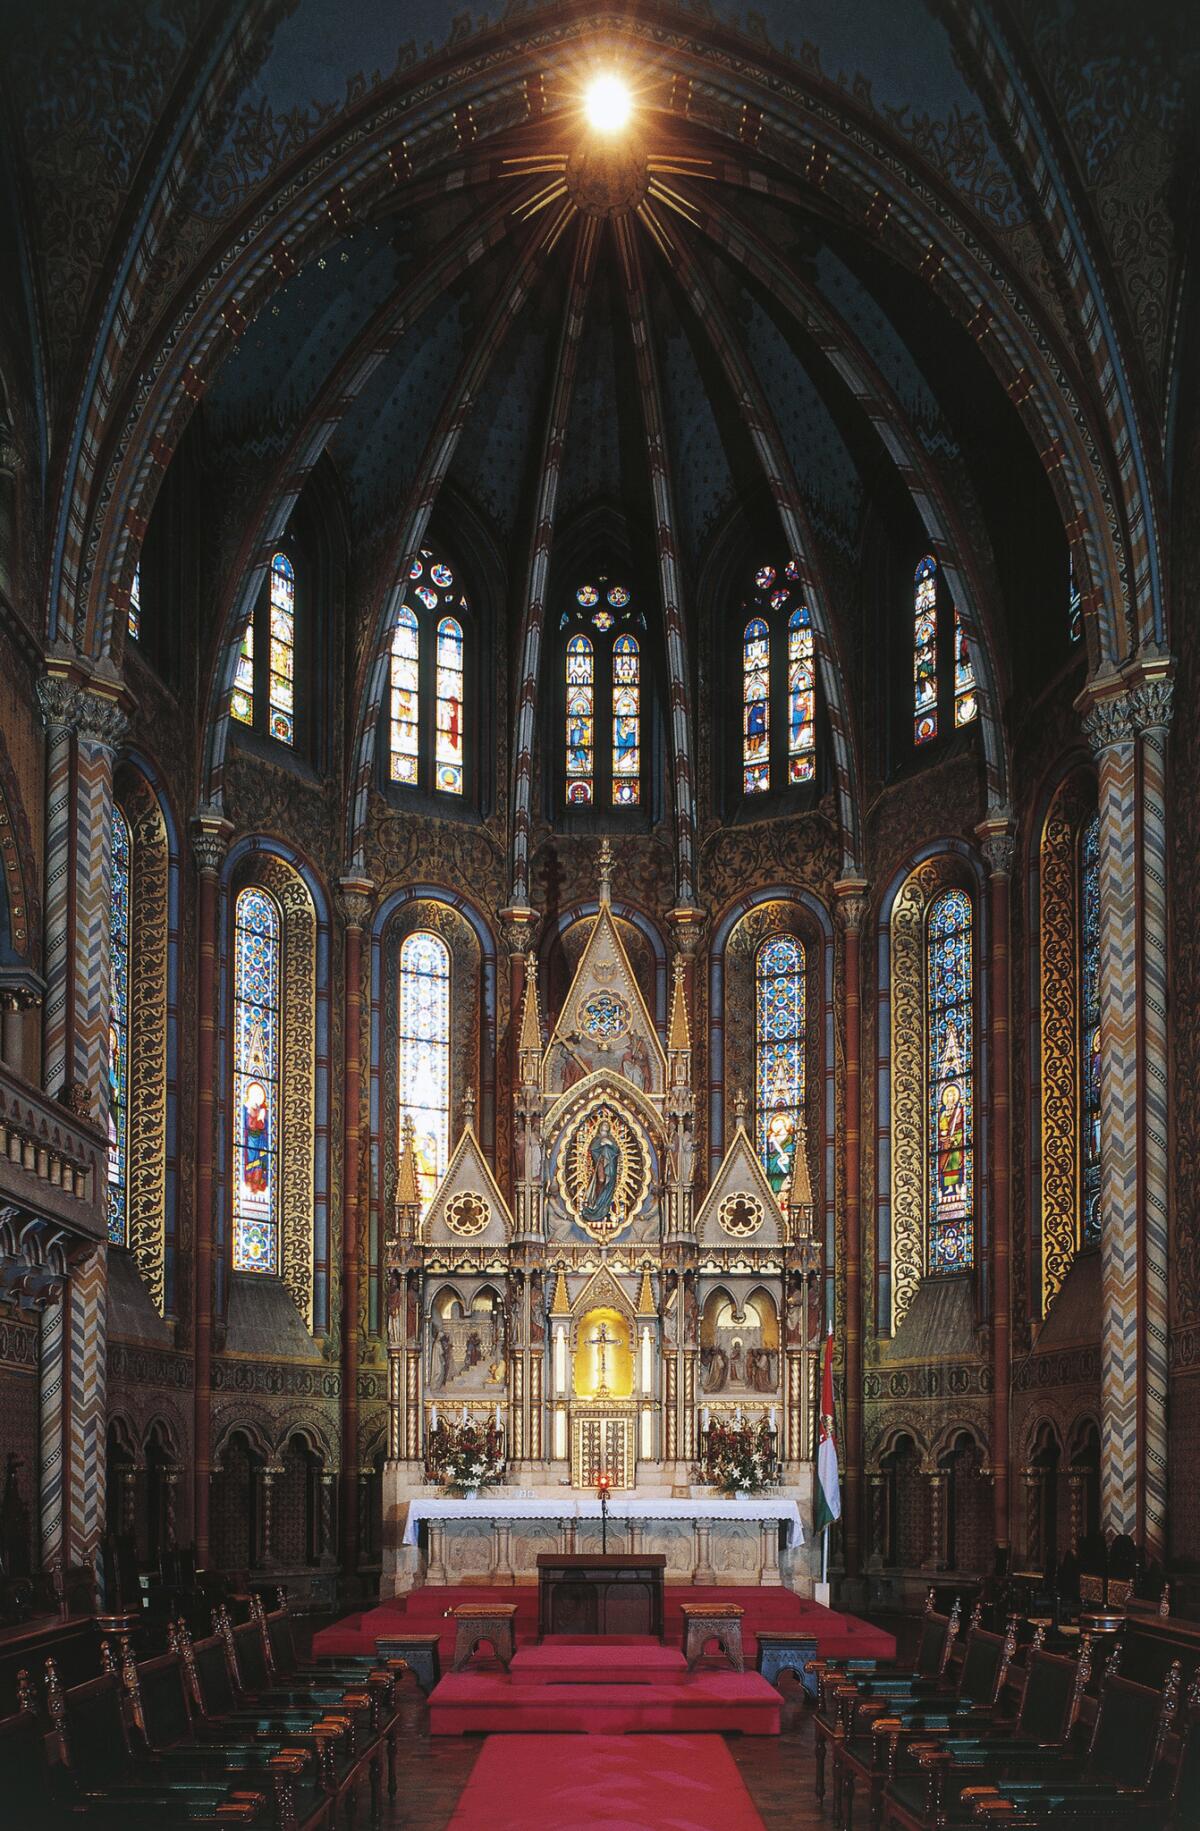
917, 264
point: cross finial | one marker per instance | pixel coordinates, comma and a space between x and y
606, 865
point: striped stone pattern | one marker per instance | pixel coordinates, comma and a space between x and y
1153, 704
187, 138
1110, 730
309, 440
57, 958
88, 1340
50, 1432
667, 548
438, 456
996, 69
952, 543
92, 875
764, 435
534, 615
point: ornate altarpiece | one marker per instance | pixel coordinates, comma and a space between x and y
614, 1309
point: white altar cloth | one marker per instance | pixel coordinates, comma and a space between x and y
576, 1507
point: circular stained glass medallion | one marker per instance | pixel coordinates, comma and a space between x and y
618, 596
587, 595
764, 578
442, 577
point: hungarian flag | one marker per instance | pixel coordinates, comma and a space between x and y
829, 1493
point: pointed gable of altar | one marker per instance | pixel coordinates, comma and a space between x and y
604, 1021
741, 1208
467, 1208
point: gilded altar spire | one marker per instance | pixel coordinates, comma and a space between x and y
530, 1042
408, 1184
645, 1303
679, 1036
561, 1305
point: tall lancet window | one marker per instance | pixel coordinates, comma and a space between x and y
264, 675
950, 1083
118, 1031
425, 1051
135, 604
283, 649
778, 738
256, 1105
966, 698
925, 679
1089, 1047
756, 707
427, 723
779, 1056
603, 679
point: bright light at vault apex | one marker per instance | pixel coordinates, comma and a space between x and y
608, 104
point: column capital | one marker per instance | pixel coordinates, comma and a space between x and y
517, 926
997, 836
853, 900
1118, 709
211, 833
68, 705
356, 899
687, 925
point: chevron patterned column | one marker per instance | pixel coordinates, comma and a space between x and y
1111, 730
88, 1360
51, 1395
56, 696
1152, 712
997, 839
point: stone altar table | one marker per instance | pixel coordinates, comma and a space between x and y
497, 1540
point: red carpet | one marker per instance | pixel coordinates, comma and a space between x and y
597, 1662
615, 1783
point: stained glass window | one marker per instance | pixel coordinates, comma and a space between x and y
135, 604
256, 1103
627, 721
925, 682
951, 1087
243, 679
802, 730
581, 721
406, 699
1074, 604
779, 1056
1089, 1050
425, 1051
966, 698
756, 707
118, 1031
283, 650
427, 724
448, 758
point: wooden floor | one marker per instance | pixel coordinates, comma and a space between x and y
777, 1770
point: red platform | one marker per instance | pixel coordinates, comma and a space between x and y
715, 1701
427, 1611
616, 1660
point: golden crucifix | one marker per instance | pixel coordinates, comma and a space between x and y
604, 1341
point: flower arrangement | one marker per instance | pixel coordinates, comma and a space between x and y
466, 1456
739, 1458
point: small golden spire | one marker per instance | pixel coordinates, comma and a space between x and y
645, 1302
800, 1193
408, 1184
531, 1021
679, 1040
561, 1306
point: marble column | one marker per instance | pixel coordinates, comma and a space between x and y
852, 913
1126, 722
210, 841
769, 1571
703, 1572
355, 903
998, 842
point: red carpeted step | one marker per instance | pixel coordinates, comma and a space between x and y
620, 1783
466, 1703
598, 1662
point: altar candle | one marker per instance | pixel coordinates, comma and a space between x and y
738, 1415
498, 1415
706, 1417
464, 1416
433, 1417
772, 1417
